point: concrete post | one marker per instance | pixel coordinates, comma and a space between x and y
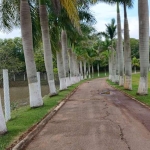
3, 128
6, 95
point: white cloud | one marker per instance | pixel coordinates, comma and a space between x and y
134, 27
14, 33
104, 13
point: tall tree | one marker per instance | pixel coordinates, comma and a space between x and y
127, 50
110, 34
120, 48
143, 11
65, 56
26, 30
47, 46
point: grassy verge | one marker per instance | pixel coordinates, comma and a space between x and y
135, 81
24, 118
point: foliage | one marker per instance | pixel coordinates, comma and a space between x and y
134, 47
135, 62
39, 60
110, 32
11, 55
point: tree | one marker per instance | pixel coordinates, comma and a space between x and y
110, 34
39, 60
47, 46
104, 56
134, 47
143, 46
135, 63
127, 50
27, 40
11, 55
65, 56
120, 49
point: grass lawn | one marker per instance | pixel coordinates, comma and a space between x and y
135, 81
24, 118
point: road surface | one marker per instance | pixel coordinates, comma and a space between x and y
96, 117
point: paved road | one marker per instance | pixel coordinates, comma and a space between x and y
94, 121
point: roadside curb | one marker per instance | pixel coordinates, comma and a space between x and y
35, 129
133, 98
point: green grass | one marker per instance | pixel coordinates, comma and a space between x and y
24, 118
135, 82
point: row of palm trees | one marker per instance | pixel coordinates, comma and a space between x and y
68, 67
123, 58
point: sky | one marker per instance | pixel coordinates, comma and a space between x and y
103, 14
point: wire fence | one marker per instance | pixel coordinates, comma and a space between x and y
18, 88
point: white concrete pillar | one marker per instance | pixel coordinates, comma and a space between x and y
3, 128
6, 94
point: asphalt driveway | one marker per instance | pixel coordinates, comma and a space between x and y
96, 117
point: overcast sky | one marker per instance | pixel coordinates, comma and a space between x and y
103, 14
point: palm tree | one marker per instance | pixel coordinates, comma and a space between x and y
71, 64
127, 51
143, 10
61, 71
10, 19
47, 46
65, 56
120, 48
84, 65
110, 34
81, 70
120, 57
26, 30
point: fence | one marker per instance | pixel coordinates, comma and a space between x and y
18, 88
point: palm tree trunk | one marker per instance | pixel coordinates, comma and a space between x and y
76, 68
85, 76
113, 66
98, 68
143, 45
127, 53
89, 69
117, 64
110, 66
120, 49
26, 30
61, 72
71, 65
92, 71
81, 70
65, 56
47, 48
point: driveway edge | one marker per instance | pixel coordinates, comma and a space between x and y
39, 126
